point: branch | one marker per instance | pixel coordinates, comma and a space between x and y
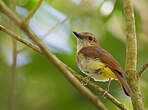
99, 89
86, 92
32, 12
80, 77
13, 81
131, 55
19, 50
142, 69
12, 105
14, 36
4, 9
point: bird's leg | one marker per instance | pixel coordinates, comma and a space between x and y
109, 82
108, 87
87, 80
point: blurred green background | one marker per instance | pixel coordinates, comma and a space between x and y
40, 86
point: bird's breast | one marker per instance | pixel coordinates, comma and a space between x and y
89, 65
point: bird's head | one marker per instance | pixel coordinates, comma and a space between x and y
85, 39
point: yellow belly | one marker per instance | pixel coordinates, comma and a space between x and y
105, 75
89, 66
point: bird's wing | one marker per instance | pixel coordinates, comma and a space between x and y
103, 56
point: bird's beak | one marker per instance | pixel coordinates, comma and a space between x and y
77, 35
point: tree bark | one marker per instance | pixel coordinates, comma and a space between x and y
131, 55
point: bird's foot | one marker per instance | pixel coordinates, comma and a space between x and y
87, 79
108, 87
105, 92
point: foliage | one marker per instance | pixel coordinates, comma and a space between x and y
39, 84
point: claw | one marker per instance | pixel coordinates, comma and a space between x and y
87, 80
105, 94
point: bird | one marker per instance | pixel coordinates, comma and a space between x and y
97, 63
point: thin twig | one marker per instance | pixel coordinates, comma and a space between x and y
50, 30
55, 26
131, 55
7, 11
21, 49
80, 77
142, 69
13, 35
32, 12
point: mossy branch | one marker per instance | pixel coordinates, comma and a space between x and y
131, 55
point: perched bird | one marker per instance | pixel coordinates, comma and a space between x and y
97, 63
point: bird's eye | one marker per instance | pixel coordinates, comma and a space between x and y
90, 38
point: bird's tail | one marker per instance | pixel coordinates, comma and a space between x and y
124, 84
